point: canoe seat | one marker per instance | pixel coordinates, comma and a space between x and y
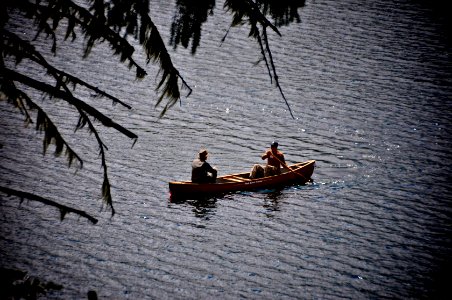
236, 178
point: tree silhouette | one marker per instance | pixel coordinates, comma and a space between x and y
188, 20
113, 22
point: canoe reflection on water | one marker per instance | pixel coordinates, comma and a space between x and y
299, 173
204, 207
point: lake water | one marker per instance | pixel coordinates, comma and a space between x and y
370, 85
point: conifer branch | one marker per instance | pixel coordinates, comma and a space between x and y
250, 9
155, 50
94, 28
106, 190
83, 120
15, 46
43, 122
18, 101
79, 104
275, 75
63, 208
97, 28
11, 93
263, 52
51, 133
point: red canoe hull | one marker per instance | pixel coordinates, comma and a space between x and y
300, 173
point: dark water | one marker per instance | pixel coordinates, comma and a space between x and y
370, 85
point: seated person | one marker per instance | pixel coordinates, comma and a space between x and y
273, 167
201, 171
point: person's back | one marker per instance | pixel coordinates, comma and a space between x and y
202, 171
199, 170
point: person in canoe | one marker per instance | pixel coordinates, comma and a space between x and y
202, 171
274, 158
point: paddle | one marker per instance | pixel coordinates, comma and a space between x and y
288, 168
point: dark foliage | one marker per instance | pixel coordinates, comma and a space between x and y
187, 22
16, 284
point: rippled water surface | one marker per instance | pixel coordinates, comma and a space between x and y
370, 86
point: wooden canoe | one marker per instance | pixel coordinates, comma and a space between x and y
300, 173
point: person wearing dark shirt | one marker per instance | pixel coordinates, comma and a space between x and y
202, 171
274, 158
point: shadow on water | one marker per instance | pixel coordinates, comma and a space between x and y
202, 206
272, 201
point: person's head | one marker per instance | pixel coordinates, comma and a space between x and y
274, 146
203, 154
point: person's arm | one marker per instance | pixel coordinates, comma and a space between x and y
209, 168
266, 155
282, 158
